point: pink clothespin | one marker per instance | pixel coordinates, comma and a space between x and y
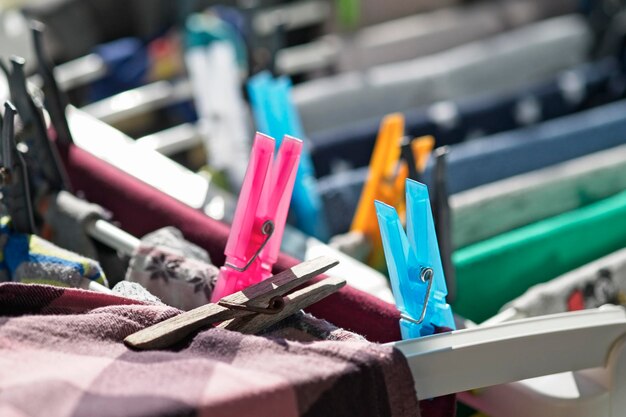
259, 222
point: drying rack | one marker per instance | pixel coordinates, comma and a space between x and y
569, 364
574, 360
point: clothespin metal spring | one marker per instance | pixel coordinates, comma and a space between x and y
426, 274
267, 229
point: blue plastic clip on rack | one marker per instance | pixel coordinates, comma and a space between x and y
414, 264
276, 115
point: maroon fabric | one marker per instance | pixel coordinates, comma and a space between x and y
140, 209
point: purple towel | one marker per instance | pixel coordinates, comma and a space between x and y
61, 354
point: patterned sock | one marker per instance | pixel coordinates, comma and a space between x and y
176, 271
31, 259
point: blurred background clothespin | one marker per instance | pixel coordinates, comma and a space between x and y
14, 176
276, 115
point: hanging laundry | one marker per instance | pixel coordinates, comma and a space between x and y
127, 66
482, 161
489, 210
495, 271
214, 57
496, 65
598, 283
166, 57
572, 90
413, 34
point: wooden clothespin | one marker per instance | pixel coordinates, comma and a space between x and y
248, 311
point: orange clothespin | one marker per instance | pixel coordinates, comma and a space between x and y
386, 180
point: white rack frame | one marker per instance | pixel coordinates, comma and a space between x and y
551, 346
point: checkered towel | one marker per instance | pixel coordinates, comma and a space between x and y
61, 354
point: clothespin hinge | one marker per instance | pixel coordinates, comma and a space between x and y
275, 306
267, 229
426, 274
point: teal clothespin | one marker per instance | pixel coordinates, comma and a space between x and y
276, 115
202, 29
414, 264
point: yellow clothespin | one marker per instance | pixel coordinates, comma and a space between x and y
386, 181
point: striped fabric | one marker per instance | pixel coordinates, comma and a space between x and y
31, 259
61, 354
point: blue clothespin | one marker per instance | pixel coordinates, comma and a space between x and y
414, 264
276, 115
